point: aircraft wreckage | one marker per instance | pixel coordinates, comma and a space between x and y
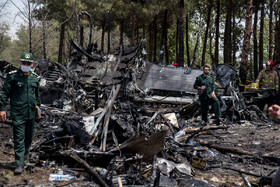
139, 121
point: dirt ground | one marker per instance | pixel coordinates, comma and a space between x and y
260, 139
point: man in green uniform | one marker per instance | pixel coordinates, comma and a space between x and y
22, 87
206, 86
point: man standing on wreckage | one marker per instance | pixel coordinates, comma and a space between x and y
206, 87
22, 88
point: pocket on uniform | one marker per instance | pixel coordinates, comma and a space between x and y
33, 87
18, 110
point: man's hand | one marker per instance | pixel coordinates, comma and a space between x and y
274, 111
2, 115
202, 87
213, 95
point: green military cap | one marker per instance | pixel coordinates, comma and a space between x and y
27, 57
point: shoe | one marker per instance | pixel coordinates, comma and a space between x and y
18, 170
218, 122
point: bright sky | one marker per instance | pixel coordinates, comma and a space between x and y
10, 17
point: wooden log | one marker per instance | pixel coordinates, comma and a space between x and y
87, 167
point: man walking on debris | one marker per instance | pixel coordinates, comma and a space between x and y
22, 88
206, 87
268, 78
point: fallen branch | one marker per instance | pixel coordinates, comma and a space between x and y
247, 172
225, 149
205, 128
196, 131
87, 167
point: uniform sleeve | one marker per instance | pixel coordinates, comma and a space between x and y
37, 94
196, 83
5, 94
260, 76
276, 81
214, 85
211, 85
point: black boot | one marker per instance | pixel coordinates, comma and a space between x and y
18, 170
218, 122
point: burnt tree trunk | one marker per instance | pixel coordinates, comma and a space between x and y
81, 36
271, 3
256, 72
103, 36
133, 20
234, 43
177, 54
151, 39
143, 32
217, 23
275, 31
181, 35
121, 31
195, 48
108, 32
30, 27
44, 38
155, 39
206, 33
165, 44
211, 36
261, 36
163, 30
277, 38
246, 42
227, 38
137, 36
187, 40
61, 41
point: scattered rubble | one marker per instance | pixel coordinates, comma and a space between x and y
117, 120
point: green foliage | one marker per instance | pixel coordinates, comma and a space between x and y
5, 40
138, 12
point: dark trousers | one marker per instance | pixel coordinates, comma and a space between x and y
276, 179
23, 135
267, 98
205, 107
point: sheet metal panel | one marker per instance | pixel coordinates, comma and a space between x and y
168, 78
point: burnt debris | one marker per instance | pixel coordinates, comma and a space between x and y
129, 122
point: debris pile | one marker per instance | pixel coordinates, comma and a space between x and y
128, 122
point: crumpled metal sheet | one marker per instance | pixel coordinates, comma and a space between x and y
168, 78
148, 146
225, 74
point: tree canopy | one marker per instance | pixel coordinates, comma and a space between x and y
190, 32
